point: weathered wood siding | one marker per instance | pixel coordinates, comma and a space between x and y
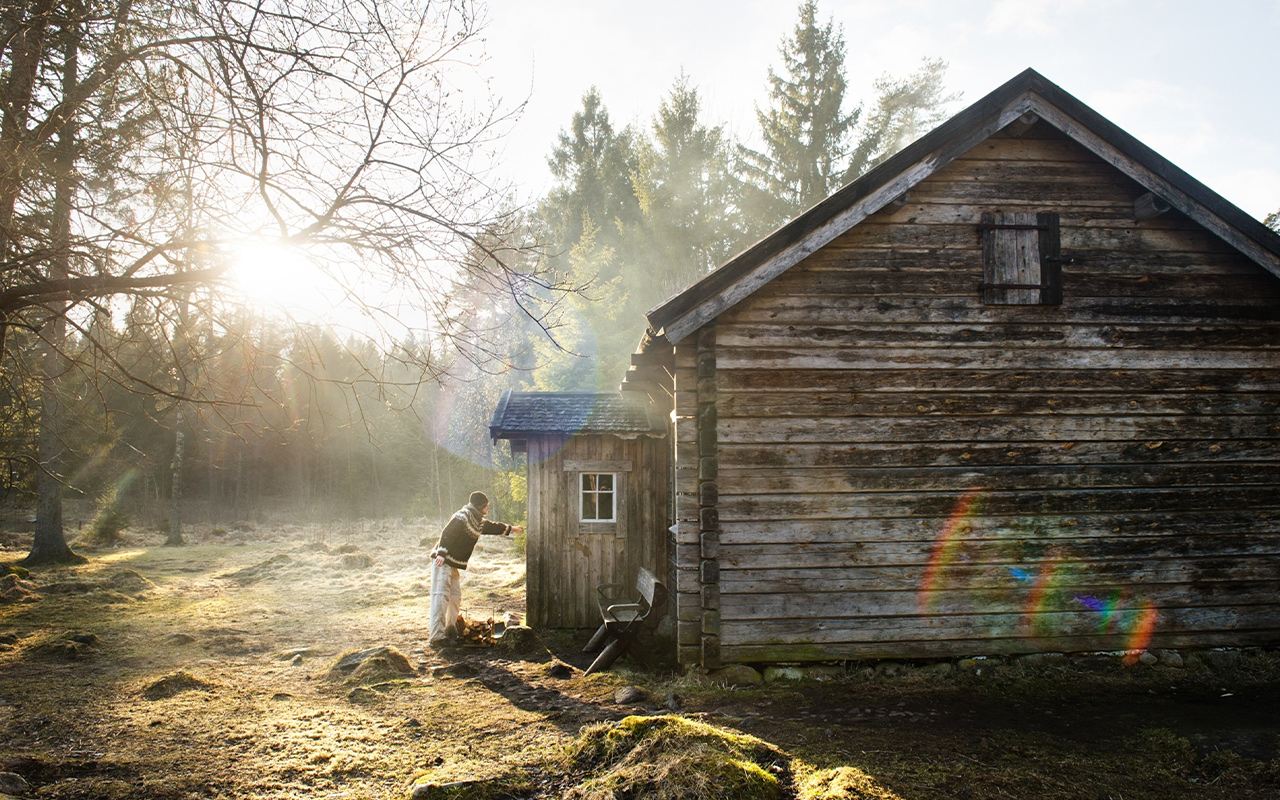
566, 560
905, 471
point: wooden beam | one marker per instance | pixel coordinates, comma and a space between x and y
895, 205
1148, 206
1022, 124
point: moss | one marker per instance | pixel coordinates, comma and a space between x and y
842, 783
672, 757
498, 788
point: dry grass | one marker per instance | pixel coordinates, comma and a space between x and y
202, 672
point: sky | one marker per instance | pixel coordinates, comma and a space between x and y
1195, 81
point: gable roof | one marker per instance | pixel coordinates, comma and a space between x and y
522, 414
1028, 92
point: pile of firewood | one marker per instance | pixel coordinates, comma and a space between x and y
474, 632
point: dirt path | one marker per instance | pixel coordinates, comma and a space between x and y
245, 627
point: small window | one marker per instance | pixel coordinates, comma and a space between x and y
598, 497
1021, 259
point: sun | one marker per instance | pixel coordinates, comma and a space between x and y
283, 278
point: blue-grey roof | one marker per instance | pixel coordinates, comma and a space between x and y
521, 414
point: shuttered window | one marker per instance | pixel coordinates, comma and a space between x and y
1021, 258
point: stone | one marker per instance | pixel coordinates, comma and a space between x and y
736, 675
890, 669
462, 669
517, 639
630, 695
296, 661
449, 791
672, 702
973, 666
1095, 661
936, 669
1170, 658
13, 783
179, 639
1220, 659
1039, 660
822, 672
1148, 659
772, 674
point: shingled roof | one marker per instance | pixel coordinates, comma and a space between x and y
522, 414
1027, 95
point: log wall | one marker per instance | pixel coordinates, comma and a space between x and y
903, 471
566, 559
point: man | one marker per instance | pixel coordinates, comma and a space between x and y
452, 552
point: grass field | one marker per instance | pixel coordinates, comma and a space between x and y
206, 671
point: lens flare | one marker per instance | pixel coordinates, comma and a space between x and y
1037, 598
945, 547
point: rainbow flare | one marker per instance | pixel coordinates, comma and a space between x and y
1038, 597
945, 546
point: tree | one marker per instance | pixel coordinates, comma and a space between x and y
805, 130
142, 143
683, 182
593, 165
906, 108
1273, 221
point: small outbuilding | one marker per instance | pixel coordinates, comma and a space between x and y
598, 501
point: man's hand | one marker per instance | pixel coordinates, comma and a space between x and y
439, 561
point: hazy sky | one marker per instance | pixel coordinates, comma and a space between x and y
1197, 81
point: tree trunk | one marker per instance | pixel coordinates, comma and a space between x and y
174, 538
49, 543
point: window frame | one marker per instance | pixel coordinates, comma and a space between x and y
583, 491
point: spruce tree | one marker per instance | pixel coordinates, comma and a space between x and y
683, 184
805, 129
906, 109
592, 164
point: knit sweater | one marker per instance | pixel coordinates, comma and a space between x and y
459, 537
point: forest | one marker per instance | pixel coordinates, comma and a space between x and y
154, 154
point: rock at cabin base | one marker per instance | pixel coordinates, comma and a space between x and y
736, 675
772, 674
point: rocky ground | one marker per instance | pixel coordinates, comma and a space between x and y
291, 661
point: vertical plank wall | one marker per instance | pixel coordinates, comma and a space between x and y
566, 561
904, 471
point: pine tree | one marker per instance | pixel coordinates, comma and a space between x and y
906, 108
683, 184
805, 130
593, 165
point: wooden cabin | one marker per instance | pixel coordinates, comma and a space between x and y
598, 503
1016, 389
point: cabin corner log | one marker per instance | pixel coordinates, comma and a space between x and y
708, 497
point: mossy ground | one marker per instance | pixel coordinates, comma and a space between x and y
251, 636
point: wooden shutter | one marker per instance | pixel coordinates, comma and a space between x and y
1021, 258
